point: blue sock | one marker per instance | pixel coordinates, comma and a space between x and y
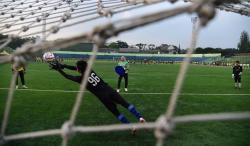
123, 119
132, 109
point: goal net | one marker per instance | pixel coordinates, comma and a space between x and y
47, 18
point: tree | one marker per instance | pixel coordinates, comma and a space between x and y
122, 44
199, 50
141, 46
151, 46
118, 44
244, 44
113, 45
224, 52
163, 48
16, 41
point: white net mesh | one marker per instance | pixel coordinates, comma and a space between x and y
28, 18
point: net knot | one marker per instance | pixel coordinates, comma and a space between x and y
54, 29
104, 12
7, 25
67, 130
22, 18
38, 19
100, 34
164, 127
18, 60
66, 16
23, 55
206, 12
25, 28
130, 2
46, 15
172, 1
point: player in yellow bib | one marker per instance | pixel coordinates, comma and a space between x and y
21, 71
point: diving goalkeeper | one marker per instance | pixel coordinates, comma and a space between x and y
107, 95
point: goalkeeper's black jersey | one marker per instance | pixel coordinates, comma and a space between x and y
237, 69
95, 84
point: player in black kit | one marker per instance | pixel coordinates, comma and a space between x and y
107, 95
237, 72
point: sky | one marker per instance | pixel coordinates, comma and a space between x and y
222, 32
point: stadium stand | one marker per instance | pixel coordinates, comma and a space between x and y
199, 58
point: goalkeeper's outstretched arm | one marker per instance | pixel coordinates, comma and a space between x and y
70, 77
69, 67
59, 67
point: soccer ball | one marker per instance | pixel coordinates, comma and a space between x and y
48, 56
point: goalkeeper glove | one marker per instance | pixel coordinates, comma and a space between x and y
53, 65
240, 73
232, 75
56, 65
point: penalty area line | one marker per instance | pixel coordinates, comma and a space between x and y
44, 90
132, 93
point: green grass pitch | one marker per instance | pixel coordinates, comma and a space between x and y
36, 110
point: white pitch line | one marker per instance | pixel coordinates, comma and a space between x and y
43, 90
133, 93
200, 94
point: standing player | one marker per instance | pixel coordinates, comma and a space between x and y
124, 63
20, 71
237, 72
107, 95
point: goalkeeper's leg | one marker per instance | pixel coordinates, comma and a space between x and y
21, 73
118, 99
110, 105
239, 81
126, 81
119, 84
235, 82
17, 81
